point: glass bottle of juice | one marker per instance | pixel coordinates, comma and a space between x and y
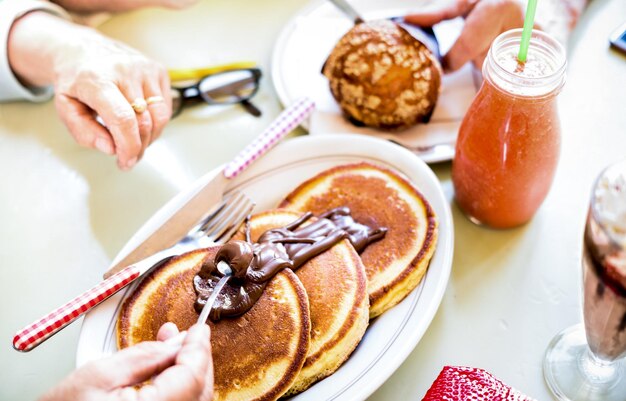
509, 141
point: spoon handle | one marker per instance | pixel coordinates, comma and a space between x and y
347, 9
206, 310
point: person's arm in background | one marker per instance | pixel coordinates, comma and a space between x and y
89, 6
175, 371
559, 17
486, 19
92, 75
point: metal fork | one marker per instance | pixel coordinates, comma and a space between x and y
216, 228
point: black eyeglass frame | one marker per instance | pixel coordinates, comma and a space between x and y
193, 93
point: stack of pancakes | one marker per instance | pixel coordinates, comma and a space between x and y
307, 323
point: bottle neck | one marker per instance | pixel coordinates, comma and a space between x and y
543, 73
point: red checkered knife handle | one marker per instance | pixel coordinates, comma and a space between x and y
286, 121
40, 330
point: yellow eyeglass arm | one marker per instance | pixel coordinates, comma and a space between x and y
183, 74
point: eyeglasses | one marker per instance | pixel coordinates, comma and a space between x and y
228, 87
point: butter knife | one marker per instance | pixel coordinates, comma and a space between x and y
196, 208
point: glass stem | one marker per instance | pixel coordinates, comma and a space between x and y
598, 370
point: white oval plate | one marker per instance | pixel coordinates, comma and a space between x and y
391, 337
308, 38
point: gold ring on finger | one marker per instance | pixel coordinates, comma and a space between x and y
139, 105
154, 99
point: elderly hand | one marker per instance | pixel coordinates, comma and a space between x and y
182, 372
484, 20
101, 76
93, 76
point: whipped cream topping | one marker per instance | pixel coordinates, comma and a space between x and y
610, 202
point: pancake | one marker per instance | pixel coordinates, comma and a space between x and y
256, 356
336, 285
377, 197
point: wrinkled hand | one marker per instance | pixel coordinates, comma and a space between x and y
484, 20
96, 75
183, 372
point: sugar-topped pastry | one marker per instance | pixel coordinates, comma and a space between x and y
383, 77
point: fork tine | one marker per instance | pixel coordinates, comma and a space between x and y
239, 212
231, 203
235, 218
235, 223
214, 213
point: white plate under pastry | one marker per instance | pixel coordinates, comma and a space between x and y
391, 337
309, 37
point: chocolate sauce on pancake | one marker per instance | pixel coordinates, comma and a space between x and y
289, 247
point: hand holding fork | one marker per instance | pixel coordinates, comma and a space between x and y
216, 229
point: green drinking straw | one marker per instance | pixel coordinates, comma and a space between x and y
529, 20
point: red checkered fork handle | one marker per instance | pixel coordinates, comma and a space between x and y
40, 330
289, 119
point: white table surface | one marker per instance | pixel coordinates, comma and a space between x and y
66, 211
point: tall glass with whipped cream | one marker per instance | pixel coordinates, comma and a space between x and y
589, 364
604, 266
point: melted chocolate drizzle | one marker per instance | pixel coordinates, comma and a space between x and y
287, 247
